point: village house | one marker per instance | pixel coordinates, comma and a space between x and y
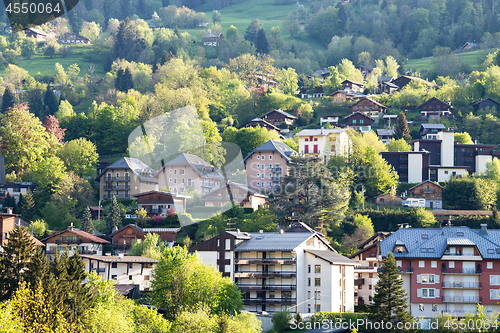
322, 74
365, 70
257, 122
317, 92
332, 119
72, 38
160, 203
126, 177
267, 164
430, 131
323, 142
9, 222
278, 271
385, 135
123, 238
360, 122
345, 95
388, 200
245, 196
431, 192
276, 117
369, 107
353, 86
72, 240
403, 80
38, 35
486, 103
434, 107
189, 171
468, 46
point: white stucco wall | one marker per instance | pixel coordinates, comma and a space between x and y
414, 168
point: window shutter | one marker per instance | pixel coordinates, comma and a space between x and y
492, 293
436, 278
491, 279
436, 293
419, 292
419, 278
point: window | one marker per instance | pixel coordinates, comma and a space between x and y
317, 269
269, 166
262, 166
354, 121
262, 176
270, 157
183, 171
170, 170
421, 307
131, 265
117, 175
370, 287
421, 263
113, 277
318, 308
317, 282
258, 166
433, 264
262, 184
431, 278
424, 292
130, 277
170, 180
175, 171
258, 157
228, 244
146, 277
318, 294
451, 264
434, 307
399, 263
309, 308
175, 180
189, 181
308, 268
258, 174
495, 280
489, 265
308, 281
258, 183
114, 265
182, 180
494, 294
370, 275
270, 184
309, 294
270, 175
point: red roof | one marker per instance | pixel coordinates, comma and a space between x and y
36, 241
80, 233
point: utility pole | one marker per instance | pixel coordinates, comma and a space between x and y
363, 194
315, 302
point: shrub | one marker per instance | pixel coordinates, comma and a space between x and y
281, 321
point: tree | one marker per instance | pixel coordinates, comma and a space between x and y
142, 215
51, 125
252, 31
389, 301
391, 66
470, 193
28, 206
86, 223
113, 218
65, 111
309, 193
464, 138
8, 99
288, 81
79, 156
151, 247
216, 17
401, 130
39, 227
261, 44
398, 145
50, 101
126, 82
118, 79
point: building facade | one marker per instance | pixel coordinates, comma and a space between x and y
431, 192
276, 117
245, 196
434, 107
73, 240
360, 122
369, 108
160, 203
324, 143
123, 238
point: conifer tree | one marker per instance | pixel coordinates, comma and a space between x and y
28, 211
87, 225
18, 208
389, 301
118, 80
38, 269
113, 218
401, 130
261, 44
126, 82
51, 102
8, 99
10, 201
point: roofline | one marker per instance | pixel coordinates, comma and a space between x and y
425, 181
354, 263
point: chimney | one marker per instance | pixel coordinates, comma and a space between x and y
9, 209
322, 130
484, 229
71, 226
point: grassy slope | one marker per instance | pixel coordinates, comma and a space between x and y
46, 66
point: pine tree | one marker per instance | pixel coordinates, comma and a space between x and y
113, 218
126, 81
8, 99
261, 44
28, 211
51, 102
389, 301
401, 130
118, 80
19, 206
14, 262
38, 269
87, 225
9, 201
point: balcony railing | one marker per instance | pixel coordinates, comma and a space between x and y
428, 191
68, 241
87, 252
405, 270
271, 287
372, 268
116, 179
283, 301
462, 285
462, 299
275, 179
98, 270
116, 188
276, 169
469, 271
154, 211
265, 261
358, 282
119, 196
257, 274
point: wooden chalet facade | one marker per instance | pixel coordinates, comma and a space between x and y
431, 192
257, 122
486, 103
73, 240
276, 117
359, 122
343, 95
122, 239
369, 107
353, 86
160, 203
434, 107
387, 200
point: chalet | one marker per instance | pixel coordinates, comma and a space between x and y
39, 35
72, 38
353, 86
389, 119
434, 107
212, 38
344, 95
96, 212
332, 119
360, 122
387, 87
160, 203
122, 239
468, 46
189, 171
388, 200
385, 135
369, 107
365, 70
276, 117
322, 74
486, 103
381, 79
246, 196
73, 239
430, 131
257, 122
431, 192
317, 92
402, 81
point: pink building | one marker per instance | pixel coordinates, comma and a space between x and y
266, 164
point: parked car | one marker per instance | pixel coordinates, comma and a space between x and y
128, 216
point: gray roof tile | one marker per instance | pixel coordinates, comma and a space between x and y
270, 241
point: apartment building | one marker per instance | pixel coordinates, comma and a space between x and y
125, 270
267, 164
126, 177
189, 171
447, 270
324, 143
283, 270
430, 131
366, 274
9, 222
73, 239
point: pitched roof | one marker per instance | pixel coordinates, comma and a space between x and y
80, 233
124, 259
273, 241
361, 113
36, 241
321, 72
272, 145
437, 240
485, 99
383, 131
371, 100
425, 181
432, 126
139, 168
245, 188
128, 226
37, 31
385, 78
265, 123
197, 163
332, 257
319, 131
156, 192
435, 99
355, 82
391, 85
160, 230
281, 112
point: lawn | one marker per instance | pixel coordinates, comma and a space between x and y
43, 65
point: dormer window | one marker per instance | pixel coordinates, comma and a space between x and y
400, 249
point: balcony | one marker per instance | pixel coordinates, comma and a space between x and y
154, 211
275, 179
358, 282
276, 169
99, 270
457, 313
462, 299
279, 301
271, 287
265, 261
428, 191
116, 188
121, 246
368, 268
466, 271
462, 285
116, 179
68, 241
119, 196
257, 274
405, 270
